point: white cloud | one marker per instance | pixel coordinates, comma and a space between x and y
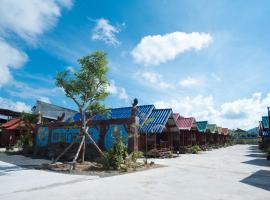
71, 69
25, 91
153, 79
112, 87
157, 49
241, 113
27, 19
120, 92
190, 81
30, 18
14, 105
10, 58
106, 32
123, 94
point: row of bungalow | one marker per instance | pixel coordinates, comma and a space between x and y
160, 129
264, 131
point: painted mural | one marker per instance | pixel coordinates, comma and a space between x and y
114, 132
64, 135
42, 136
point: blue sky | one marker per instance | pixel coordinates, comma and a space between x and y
208, 59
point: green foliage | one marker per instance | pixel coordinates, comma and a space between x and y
26, 138
29, 119
117, 154
268, 151
136, 155
195, 149
88, 86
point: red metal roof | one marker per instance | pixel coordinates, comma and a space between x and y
11, 123
185, 123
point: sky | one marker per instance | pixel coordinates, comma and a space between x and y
207, 59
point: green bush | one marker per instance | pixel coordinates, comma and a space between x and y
268, 151
195, 149
136, 155
117, 154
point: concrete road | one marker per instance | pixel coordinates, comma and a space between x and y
237, 172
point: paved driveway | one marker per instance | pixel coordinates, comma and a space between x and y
238, 172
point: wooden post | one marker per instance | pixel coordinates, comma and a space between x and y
133, 139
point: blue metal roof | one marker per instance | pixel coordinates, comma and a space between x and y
157, 121
201, 126
265, 121
143, 113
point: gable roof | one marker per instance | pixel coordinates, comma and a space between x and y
201, 126
225, 131
219, 129
176, 116
158, 119
265, 122
52, 111
143, 113
185, 123
13, 124
212, 128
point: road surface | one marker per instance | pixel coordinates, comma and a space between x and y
232, 173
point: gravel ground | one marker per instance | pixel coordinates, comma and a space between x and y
237, 172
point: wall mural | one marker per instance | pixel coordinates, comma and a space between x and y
68, 135
113, 132
42, 136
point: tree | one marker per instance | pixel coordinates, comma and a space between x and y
87, 88
29, 120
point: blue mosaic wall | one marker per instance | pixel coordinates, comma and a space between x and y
113, 132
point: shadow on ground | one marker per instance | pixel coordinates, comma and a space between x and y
22, 161
260, 179
256, 155
259, 162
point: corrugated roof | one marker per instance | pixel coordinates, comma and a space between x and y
225, 131
176, 116
212, 128
11, 122
157, 121
143, 113
265, 122
185, 123
201, 126
219, 129
53, 111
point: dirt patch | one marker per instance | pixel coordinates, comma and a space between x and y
96, 169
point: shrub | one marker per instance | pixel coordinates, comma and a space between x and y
268, 151
195, 149
117, 154
136, 155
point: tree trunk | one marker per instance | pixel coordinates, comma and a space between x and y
78, 151
83, 152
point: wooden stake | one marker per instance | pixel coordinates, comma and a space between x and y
77, 154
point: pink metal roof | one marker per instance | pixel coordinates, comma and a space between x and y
225, 131
185, 123
176, 116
